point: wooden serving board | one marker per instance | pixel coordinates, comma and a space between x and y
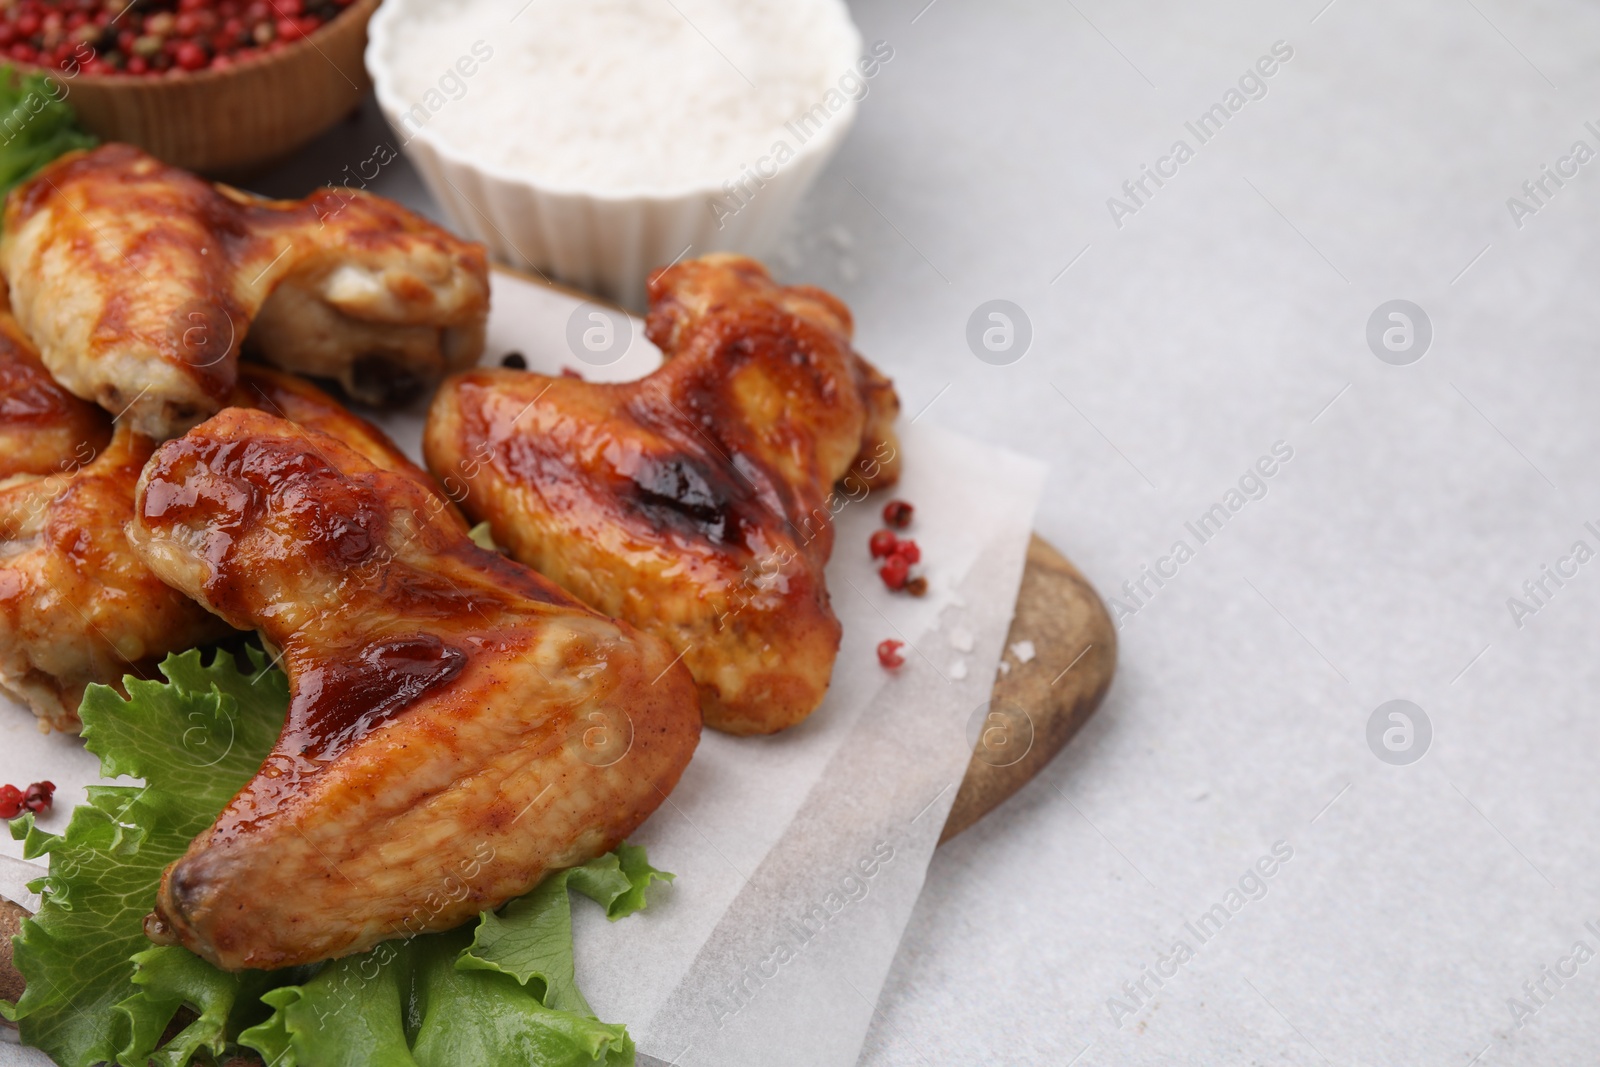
1037, 706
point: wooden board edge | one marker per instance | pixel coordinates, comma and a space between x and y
1037, 706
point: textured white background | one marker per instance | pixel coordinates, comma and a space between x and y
1214, 323
1223, 317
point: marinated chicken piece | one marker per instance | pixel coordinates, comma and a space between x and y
76, 604
139, 282
43, 428
450, 710
697, 502
297, 400
692, 305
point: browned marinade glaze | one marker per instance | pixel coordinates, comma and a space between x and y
43, 428
76, 604
696, 502
440, 696
141, 283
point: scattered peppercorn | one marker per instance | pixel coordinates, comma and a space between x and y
154, 37
514, 360
39, 796
36, 799
889, 654
898, 555
191, 56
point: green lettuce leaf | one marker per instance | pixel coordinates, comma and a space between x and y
195, 742
637, 870
170, 978
98, 991
36, 126
503, 993
412, 1004
348, 1015
531, 937
476, 1016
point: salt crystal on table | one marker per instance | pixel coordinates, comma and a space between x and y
960, 639
1023, 650
958, 670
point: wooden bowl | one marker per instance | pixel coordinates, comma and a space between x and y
229, 122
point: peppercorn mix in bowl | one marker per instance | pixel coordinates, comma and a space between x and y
217, 86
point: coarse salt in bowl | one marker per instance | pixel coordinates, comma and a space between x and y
595, 140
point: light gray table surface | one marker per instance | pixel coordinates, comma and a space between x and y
1226, 314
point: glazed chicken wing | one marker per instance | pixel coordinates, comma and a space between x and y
695, 502
139, 282
43, 428
446, 703
76, 605
297, 400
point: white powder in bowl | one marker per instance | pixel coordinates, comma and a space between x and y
619, 96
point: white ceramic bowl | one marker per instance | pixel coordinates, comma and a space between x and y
601, 242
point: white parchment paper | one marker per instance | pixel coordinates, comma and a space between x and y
799, 856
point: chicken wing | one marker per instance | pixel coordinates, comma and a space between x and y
76, 605
449, 710
139, 282
293, 398
696, 503
43, 428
